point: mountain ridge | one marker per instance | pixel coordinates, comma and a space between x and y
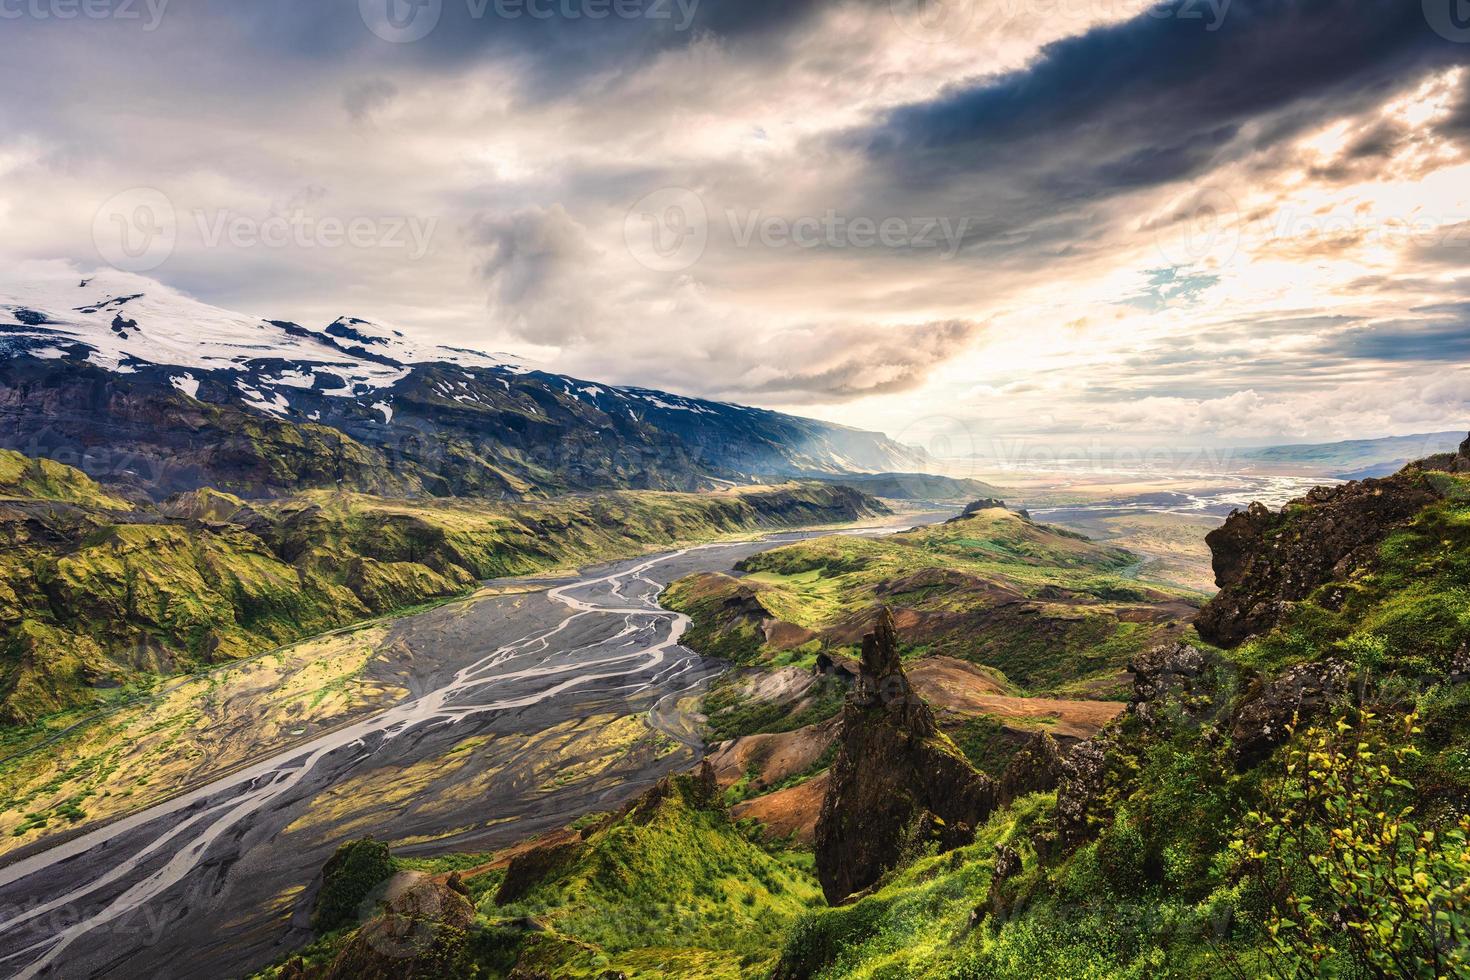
1355, 459
139, 385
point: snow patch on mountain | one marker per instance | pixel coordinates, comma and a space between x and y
186, 383
121, 321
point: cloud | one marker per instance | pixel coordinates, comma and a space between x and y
1078, 150
365, 98
1445, 338
1156, 98
542, 273
839, 362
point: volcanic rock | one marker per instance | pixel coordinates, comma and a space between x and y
1265, 561
897, 784
420, 933
1299, 694
1035, 768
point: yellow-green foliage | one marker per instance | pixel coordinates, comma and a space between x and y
670, 889
44, 479
675, 874
1355, 881
924, 920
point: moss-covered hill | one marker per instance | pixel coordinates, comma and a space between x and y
1293, 807
1045, 607
97, 596
667, 888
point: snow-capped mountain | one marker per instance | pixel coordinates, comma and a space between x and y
140, 384
127, 321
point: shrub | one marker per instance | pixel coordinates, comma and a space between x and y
1350, 875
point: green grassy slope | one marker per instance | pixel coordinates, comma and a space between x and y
1044, 606
1342, 854
669, 888
1165, 851
43, 479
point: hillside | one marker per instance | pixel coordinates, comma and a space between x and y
1286, 807
143, 387
97, 598
667, 887
928, 487
1040, 605
1009, 629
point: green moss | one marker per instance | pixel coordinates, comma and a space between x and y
44, 479
1413, 606
674, 874
348, 879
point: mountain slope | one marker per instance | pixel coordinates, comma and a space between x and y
1355, 458
139, 385
1292, 806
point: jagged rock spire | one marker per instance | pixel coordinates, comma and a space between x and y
880, 648
884, 684
897, 783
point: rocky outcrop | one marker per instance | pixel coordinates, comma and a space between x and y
420, 933
1265, 561
1264, 719
1036, 768
976, 506
1007, 865
1456, 462
898, 783
534, 865
1174, 683
1080, 790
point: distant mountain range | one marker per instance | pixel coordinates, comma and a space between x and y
141, 386
1358, 458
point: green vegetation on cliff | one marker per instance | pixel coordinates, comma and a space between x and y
1296, 806
667, 888
1408, 609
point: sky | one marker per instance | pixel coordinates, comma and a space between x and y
962, 222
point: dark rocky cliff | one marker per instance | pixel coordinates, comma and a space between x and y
1267, 560
898, 783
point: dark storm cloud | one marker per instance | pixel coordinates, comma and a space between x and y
557, 43
1160, 97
